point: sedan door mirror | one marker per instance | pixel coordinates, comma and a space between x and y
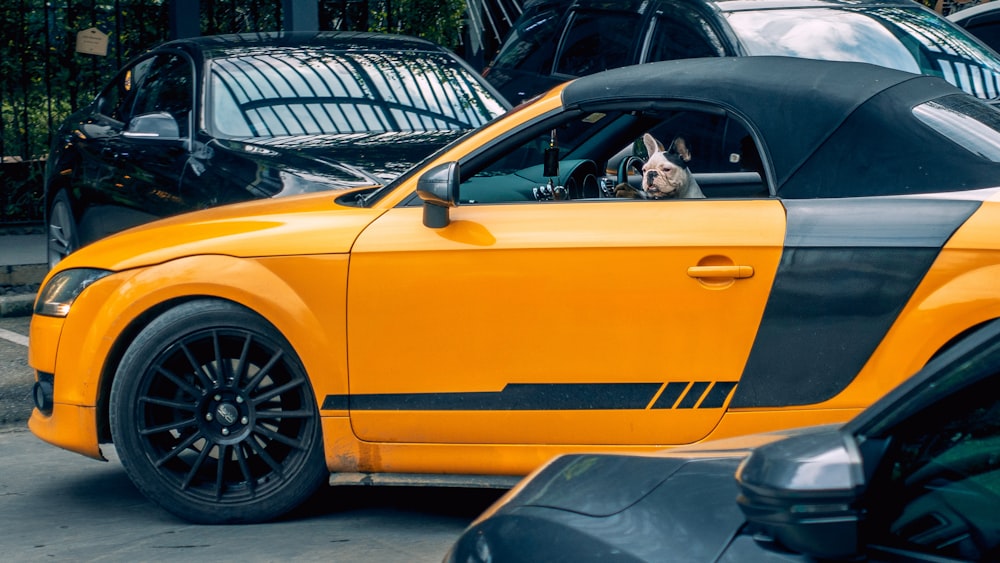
804, 491
159, 125
438, 188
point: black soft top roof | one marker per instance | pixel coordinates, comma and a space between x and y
796, 105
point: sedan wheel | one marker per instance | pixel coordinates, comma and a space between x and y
214, 418
63, 237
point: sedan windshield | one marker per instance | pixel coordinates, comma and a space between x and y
313, 92
912, 40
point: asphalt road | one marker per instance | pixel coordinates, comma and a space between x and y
59, 506
15, 376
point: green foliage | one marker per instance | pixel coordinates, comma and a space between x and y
43, 78
439, 21
21, 196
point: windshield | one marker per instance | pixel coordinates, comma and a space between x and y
912, 40
311, 92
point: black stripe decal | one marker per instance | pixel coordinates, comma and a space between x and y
692, 396
669, 397
518, 396
848, 269
717, 395
541, 397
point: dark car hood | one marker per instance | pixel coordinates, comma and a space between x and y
583, 507
590, 484
298, 164
622, 508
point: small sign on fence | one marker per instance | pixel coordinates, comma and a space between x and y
92, 41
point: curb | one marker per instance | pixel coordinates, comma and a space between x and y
27, 274
19, 305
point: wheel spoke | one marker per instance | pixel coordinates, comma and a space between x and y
56, 235
220, 476
179, 448
172, 425
183, 385
264, 371
245, 469
241, 365
268, 394
167, 403
220, 365
276, 437
196, 466
266, 457
198, 369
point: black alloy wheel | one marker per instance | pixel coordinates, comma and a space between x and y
213, 416
62, 232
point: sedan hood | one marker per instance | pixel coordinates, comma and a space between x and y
686, 512
302, 225
284, 166
680, 501
591, 484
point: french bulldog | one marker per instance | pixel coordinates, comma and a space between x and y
665, 174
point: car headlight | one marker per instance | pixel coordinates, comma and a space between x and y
58, 295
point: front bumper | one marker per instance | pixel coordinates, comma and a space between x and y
71, 427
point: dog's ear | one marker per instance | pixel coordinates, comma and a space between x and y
652, 145
680, 148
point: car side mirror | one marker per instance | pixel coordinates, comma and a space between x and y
159, 125
804, 491
438, 188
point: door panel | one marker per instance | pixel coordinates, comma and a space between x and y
557, 323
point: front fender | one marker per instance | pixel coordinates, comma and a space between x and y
303, 297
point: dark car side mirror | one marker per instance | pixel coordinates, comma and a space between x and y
438, 188
803, 491
159, 125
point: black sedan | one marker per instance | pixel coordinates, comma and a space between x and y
982, 21
206, 121
915, 477
555, 40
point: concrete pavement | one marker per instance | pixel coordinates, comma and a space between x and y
22, 267
62, 507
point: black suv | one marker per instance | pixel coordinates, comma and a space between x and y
556, 40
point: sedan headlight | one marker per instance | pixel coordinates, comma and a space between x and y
58, 295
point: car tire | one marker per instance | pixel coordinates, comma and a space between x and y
63, 237
207, 381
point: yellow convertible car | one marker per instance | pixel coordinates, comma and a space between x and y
648, 257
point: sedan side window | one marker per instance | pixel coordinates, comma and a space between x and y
939, 487
167, 88
597, 41
117, 99
531, 44
683, 34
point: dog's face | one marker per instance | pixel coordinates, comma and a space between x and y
665, 172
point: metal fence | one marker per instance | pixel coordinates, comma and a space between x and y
43, 78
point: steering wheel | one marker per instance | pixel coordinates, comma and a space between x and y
625, 164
